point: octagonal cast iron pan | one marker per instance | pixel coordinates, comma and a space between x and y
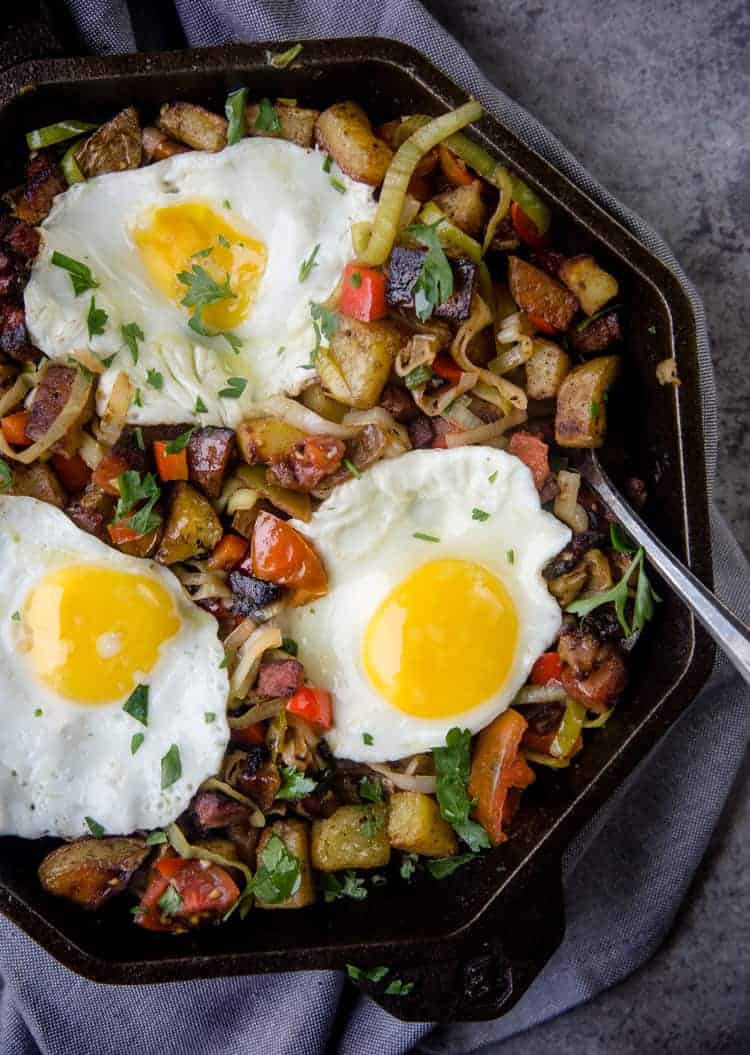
472, 943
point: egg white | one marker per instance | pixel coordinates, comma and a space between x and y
273, 190
73, 761
365, 534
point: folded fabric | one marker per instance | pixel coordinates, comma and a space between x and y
642, 848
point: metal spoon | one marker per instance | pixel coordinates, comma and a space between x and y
732, 636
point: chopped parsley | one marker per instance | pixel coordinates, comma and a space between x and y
337, 185
434, 283
202, 290
370, 790
201, 254
267, 119
235, 387
417, 377
355, 279
108, 360
136, 742
209, 717
234, 108
492, 477
441, 867
281, 59
425, 538
510, 556
408, 866
94, 827
453, 765
135, 489
371, 824
38, 712
139, 438
348, 884
80, 274
399, 988
328, 162
96, 320
620, 540
155, 379
595, 409
137, 401
278, 875
295, 785
644, 605
157, 838
366, 974
351, 468
131, 335
171, 767
479, 514
16, 617
179, 443
227, 203
307, 265
170, 902
224, 663
290, 646
200, 406
136, 704
325, 323
6, 476
368, 739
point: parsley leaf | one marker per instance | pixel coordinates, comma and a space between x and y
370, 790
620, 540
295, 785
16, 617
136, 704
399, 988
6, 476
594, 410
200, 406
510, 556
479, 514
170, 902
234, 108
348, 884
307, 265
136, 743
492, 477
179, 443
434, 283
134, 489
355, 279
337, 185
453, 765
325, 323
368, 739
156, 838
202, 288
327, 163
96, 320
155, 379
352, 468
94, 827
209, 717
420, 375
645, 598
171, 767
290, 646
440, 867
278, 876
366, 974
80, 274
282, 59
137, 401
409, 864
267, 119
371, 824
235, 387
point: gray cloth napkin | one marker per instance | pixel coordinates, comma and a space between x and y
625, 875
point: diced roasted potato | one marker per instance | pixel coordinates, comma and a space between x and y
263, 439
591, 284
566, 587
295, 836
114, 147
537, 293
91, 871
581, 417
464, 207
294, 503
415, 825
319, 401
38, 480
353, 837
297, 124
356, 366
192, 526
344, 131
193, 125
546, 370
598, 570
157, 145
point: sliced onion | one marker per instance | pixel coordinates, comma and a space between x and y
501, 179
597, 723
259, 713
243, 498
300, 417
16, 392
69, 414
116, 411
425, 783
86, 358
400, 171
239, 635
434, 403
257, 818
90, 450
199, 853
419, 350
396, 435
460, 415
480, 317
552, 692
567, 507
513, 328
510, 358
485, 434
249, 656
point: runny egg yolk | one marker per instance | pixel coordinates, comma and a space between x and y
442, 642
178, 238
92, 633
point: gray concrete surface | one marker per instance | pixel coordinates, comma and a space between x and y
654, 97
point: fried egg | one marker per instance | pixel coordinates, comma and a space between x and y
437, 607
256, 232
113, 701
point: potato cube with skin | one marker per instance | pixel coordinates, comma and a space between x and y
591, 284
91, 871
546, 370
192, 527
356, 366
344, 131
297, 124
114, 147
193, 125
581, 415
464, 207
295, 835
352, 837
263, 439
540, 295
416, 826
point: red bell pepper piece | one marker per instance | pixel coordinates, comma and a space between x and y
121, 532
280, 554
251, 734
454, 169
533, 452
547, 668
14, 428
446, 367
494, 771
108, 471
73, 471
170, 466
363, 293
526, 229
228, 553
312, 705
542, 325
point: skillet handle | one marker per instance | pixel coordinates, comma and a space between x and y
35, 31
503, 952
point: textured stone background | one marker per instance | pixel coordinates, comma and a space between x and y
653, 96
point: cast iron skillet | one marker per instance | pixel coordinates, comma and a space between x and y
473, 943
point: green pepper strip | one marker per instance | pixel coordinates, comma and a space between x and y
569, 731
57, 133
69, 165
